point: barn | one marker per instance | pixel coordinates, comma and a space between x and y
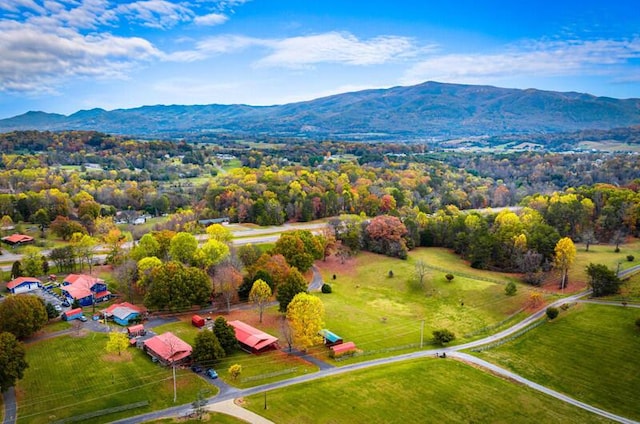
167, 348
23, 285
253, 340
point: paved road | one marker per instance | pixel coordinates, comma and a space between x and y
610, 303
10, 407
317, 281
451, 351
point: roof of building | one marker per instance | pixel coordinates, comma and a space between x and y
330, 336
20, 280
17, 238
77, 292
168, 347
71, 312
344, 347
135, 328
123, 310
79, 285
252, 337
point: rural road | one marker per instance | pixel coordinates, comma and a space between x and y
10, 407
317, 281
453, 351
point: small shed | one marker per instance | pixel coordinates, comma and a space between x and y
23, 285
136, 330
197, 321
330, 338
253, 340
72, 314
123, 313
343, 348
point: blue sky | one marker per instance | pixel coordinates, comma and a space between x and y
65, 55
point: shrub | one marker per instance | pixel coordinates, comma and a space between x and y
630, 258
510, 289
235, 370
326, 288
443, 336
552, 312
638, 323
390, 274
449, 277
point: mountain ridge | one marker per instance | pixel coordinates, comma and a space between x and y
430, 109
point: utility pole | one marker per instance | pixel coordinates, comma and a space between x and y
265, 399
175, 393
421, 333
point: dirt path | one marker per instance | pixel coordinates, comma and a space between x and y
229, 407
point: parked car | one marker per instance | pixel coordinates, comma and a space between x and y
196, 369
83, 318
212, 374
66, 304
57, 308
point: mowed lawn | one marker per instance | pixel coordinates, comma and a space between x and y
604, 254
70, 376
428, 390
379, 312
590, 353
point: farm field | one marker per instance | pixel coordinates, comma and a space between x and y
389, 310
588, 353
70, 376
604, 254
428, 390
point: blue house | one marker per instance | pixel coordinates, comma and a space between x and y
123, 313
23, 285
85, 289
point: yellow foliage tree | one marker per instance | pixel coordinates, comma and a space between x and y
260, 295
118, 342
565, 255
306, 317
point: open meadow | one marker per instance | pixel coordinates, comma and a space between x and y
589, 353
71, 376
427, 390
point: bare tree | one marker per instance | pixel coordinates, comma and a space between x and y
588, 237
421, 272
287, 332
227, 279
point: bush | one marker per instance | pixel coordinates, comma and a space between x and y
326, 288
552, 312
449, 277
390, 274
510, 289
630, 258
443, 336
638, 323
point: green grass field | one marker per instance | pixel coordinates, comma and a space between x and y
380, 313
209, 417
428, 390
604, 254
589, 352
69, 376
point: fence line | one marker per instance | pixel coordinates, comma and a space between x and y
508, 339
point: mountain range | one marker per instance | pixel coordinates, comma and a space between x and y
426, 110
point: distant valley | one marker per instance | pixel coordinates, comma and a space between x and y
427, 111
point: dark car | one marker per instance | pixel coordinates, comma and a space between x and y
211, 373
196, 369
66, 304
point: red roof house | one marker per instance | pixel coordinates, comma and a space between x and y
72, 314
124, 312
23, 284
85, 289
252, 339
343, 348
16, 239
167, 348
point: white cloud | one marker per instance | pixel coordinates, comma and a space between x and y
156, 13
536, 58
16, 5
305, 51
33, 60
211, 19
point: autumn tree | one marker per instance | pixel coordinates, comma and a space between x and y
306, 316
147, 246
300, 248
260, 295
22, 315
117, 343
207, 349
249, 254
64, 228
84, 248
41, 217
234, 371
227, 280
386, 234
12, 360
64, 258
293, 284
114, 240
211, 253
226, 335
565, 255
219, 232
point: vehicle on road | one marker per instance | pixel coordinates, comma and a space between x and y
83, 318
196, 369
212, 374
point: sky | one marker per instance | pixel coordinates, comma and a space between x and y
61, 56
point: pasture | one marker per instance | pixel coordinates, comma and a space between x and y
427, 390
589, 353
